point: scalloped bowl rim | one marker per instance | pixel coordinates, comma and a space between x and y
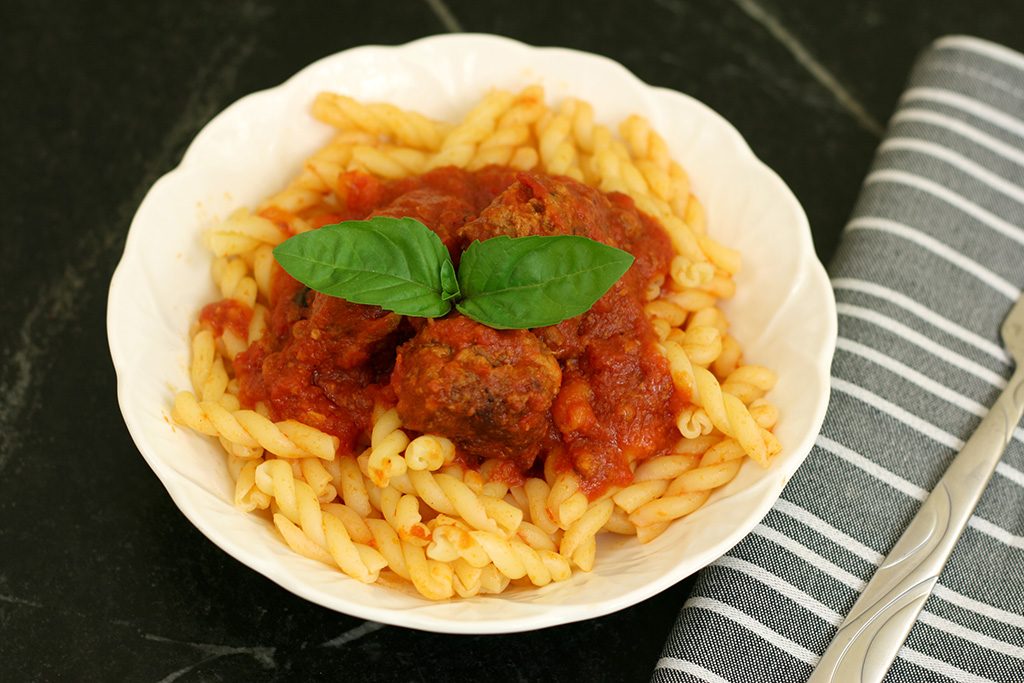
422, 614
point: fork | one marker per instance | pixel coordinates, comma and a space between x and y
870, 637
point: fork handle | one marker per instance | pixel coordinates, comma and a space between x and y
869, 638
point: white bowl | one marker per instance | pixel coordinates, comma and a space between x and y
783, 314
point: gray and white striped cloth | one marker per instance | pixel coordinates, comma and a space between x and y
928, 267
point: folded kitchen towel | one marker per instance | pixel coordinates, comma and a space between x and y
929, 265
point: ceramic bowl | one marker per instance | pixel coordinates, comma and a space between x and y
783, 313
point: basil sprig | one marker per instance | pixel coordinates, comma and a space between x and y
401, 265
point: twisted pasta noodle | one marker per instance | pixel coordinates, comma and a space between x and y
319, 479
243, 290
666, 178
654, 287
387, 444
511, 142
605, 166
696, 446
387, 161
729, 359
694, 421
231, 276
512, 557
263, 269
349, 482
639, 493
646, 534
491, 484
247, 495
692, 300
586, 555
718, 466
764, 413
684, 240
689, 490
680, 190
702, 345
257, 324
405, 127
506, 147
242, 232
233, 343
460, 144
429, 452
749, 382
527, 107
618, 523
582, 532
666, 310
666, 466
450, 496
662, 328
470, 580
434, 580
517, 496
688, 273
286, 439
239, 451
354, 523
583, 128
537, 492
387, 542
649, 152
555, 145
723, 257
309, 531
680, 368
708, 317
402, 512
319, 175
695, 216
535, 537
566, 503
721, 285
209, 378
730, 416
665, 509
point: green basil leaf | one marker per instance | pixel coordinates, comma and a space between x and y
394, 263
536, 281
449, 283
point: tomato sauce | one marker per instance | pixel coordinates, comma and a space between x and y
609, 398
227, 314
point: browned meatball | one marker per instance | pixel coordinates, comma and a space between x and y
351, 333
546, 205
489, 391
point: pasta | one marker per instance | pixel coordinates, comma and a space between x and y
363, 491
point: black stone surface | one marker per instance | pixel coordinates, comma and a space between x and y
101, 578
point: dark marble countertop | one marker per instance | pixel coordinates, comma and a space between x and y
101, 577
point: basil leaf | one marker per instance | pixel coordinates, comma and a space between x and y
449, 283
536, 281
395, 263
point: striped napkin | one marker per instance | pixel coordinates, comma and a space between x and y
929, 266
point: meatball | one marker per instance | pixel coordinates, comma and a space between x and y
443, 214
546, 205
489, 391
350, 333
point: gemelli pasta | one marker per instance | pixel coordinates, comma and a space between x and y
450, 458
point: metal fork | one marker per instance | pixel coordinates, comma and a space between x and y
869, 638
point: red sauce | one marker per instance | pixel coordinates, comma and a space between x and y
227, 314
326, 362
